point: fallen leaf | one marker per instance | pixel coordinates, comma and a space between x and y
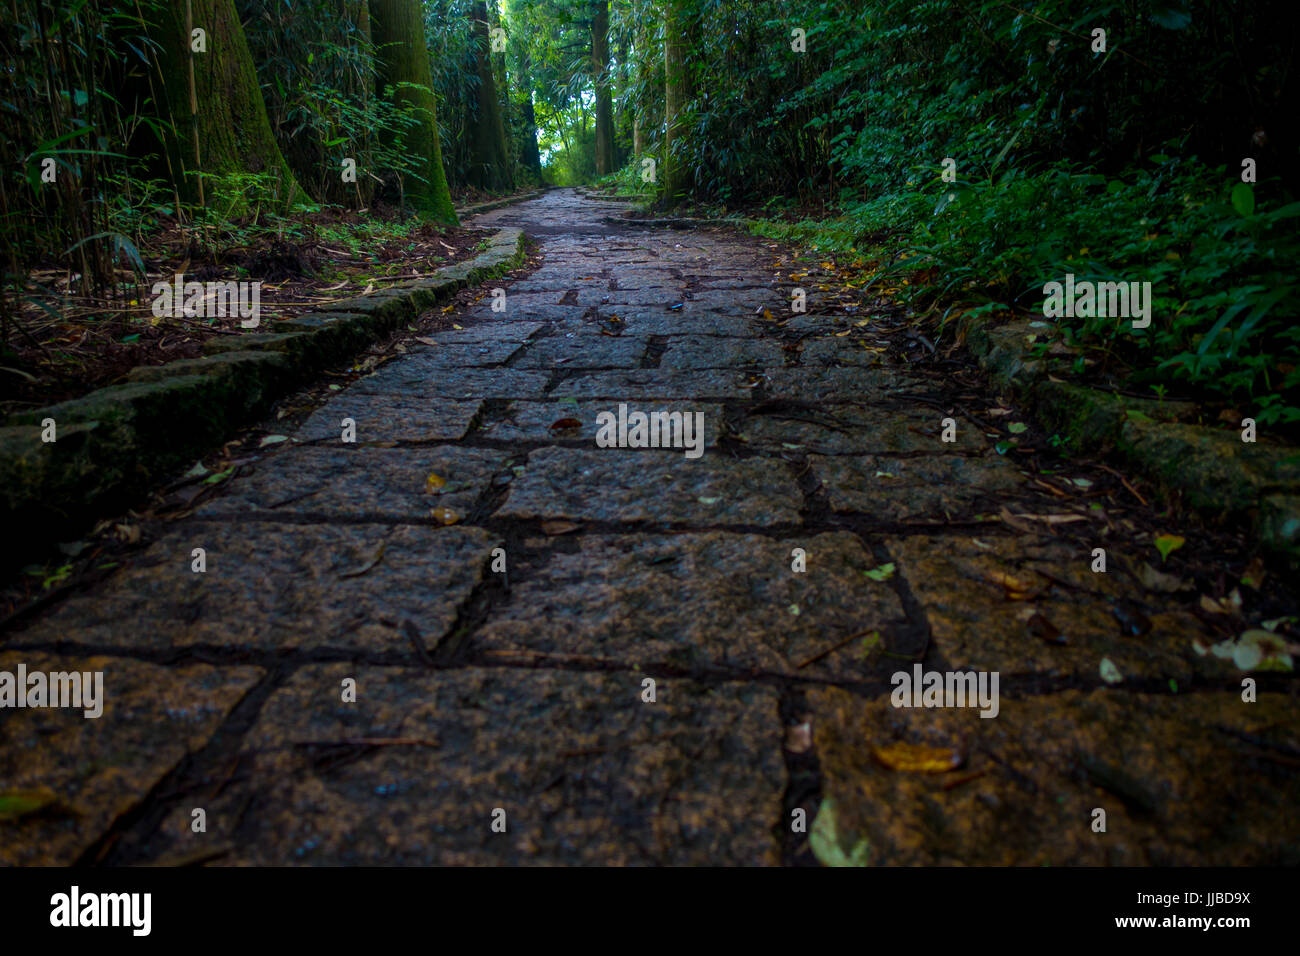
559, 527
1262, 650
1015, 588
1109, 672
565, 424
272, 440
1167, 544
918, 758
434, 484
1228, 605
15, 804
444, 515
1017, 428
1154, 580
882, 573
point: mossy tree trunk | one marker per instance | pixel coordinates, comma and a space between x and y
674, 178
491, 167
397, 27
604, 101
216, 103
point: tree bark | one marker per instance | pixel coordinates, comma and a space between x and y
674, 177
604, 101
214, 96
398, 30
491, 167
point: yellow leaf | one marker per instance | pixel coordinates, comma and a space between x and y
444, 515
918, 758
434, 483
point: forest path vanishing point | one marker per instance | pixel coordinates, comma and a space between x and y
474, 636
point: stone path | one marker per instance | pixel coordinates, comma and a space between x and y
479, 690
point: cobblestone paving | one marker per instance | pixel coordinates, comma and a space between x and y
499, 591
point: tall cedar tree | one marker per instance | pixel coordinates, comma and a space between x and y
673, 175
604, 102
221, 122
491, 168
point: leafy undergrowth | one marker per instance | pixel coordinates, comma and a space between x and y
66, 345
1224, 295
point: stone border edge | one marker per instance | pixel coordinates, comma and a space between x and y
1215, 473
114, 444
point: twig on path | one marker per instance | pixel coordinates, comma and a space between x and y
1124, 481
834, 647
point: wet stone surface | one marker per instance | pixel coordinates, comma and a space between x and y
925, 489
657, 484
717, 600
389, 418
280, 587
553, 421
583, 770
500, 589
364, 481
1179, 784
96, 769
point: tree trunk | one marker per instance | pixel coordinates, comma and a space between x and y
673, 173
604, 102
221, 121
491, 167
398, 30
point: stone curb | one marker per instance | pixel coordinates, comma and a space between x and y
467, 211
1215, 472
115, 443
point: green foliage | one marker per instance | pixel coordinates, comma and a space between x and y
1068, 160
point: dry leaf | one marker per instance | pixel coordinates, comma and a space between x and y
1154, 580
434, 484
444, 515
918, 758
565, 424
559, 527
1015, 588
